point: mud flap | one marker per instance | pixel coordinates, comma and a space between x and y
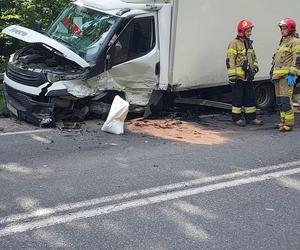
155, 104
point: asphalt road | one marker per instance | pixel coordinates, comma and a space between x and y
91, 190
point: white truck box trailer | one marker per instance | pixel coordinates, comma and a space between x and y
95, 47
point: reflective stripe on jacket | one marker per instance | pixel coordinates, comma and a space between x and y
236, 58
286, 59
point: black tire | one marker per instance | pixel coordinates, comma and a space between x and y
265, 95
99, 107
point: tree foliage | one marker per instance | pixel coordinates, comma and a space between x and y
25, 13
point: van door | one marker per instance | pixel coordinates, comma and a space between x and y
134, 59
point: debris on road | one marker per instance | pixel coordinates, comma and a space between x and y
115, 121
69, 125
173, 129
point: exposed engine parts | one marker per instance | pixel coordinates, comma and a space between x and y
38, 57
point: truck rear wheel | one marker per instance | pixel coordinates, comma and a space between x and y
265, 95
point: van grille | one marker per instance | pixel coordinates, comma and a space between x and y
25, 77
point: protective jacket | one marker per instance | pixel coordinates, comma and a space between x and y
286, 59
241, 60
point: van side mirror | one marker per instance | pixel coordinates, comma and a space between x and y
38, 26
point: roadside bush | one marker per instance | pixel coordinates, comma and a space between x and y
2, 101
24, 13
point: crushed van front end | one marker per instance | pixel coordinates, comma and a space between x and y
29, 107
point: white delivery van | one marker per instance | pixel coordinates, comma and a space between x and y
132, 47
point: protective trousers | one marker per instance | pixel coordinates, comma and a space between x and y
243, 95
284, 95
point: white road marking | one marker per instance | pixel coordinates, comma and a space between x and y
84, 214
40, 139
27, 132
160, 189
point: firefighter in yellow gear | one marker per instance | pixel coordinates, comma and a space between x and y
242, 66
284, 72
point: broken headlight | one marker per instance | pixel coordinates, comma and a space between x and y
53, 77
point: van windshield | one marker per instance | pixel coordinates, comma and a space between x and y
82, 30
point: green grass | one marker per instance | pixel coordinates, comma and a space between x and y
2, 101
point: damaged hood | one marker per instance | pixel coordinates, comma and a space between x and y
31, 36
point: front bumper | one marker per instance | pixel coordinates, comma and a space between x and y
29, 108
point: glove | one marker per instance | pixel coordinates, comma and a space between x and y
291, 80
250, 75
256, 69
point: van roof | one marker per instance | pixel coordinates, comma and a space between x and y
107, 5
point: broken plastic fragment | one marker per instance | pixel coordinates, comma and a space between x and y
47, 122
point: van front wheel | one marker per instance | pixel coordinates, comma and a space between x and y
265, 95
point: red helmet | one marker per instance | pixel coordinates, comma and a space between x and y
290, 24
243, 26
